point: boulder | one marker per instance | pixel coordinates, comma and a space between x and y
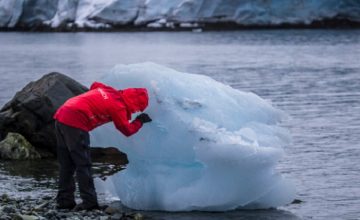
107, 161
30, 112
16, 147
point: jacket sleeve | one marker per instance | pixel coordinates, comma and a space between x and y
96, 85
123, 125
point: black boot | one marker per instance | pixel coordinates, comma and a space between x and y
86, 207
65, 205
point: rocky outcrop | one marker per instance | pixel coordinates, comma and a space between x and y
30, 112
16, 147
95, 14
108, 161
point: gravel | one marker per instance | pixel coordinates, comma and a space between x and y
44, 208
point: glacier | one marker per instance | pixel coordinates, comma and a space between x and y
95, 14
209, 147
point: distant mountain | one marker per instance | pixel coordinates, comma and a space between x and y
117, 14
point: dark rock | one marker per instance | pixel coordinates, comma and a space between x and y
41, 206
5, 198
118, 216
138, 216
65, 214
296, 201
9, 209
30, 111
47, 197
25, 217
110, 210
107, 161
4, 216
16, 147
109, 155
49, 214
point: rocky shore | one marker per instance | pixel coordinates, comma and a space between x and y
27, 134
44, 208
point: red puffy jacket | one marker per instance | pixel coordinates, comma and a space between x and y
102, 104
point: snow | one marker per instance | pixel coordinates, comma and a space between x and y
104, 13
209, 147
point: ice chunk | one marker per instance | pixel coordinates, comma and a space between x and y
209, 146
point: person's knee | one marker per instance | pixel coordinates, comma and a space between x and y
81, 158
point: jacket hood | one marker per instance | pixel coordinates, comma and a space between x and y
136, 99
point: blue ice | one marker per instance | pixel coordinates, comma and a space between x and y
210, 147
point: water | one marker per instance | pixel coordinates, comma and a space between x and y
313, 75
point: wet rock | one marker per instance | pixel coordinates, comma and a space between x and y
30, 111
25, 217
118, 216
42, 206
65, 214
296, 201
5, 198
9, 209
16, 147
138, 216
4, 216
107, 161
109, 155
110, 210
51, 213
23, 209
47, 197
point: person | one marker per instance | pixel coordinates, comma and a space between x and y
74, 119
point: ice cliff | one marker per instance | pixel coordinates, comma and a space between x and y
209, 147
67, 14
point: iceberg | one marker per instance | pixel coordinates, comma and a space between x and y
209, 147
95, 14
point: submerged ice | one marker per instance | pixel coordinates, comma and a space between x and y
209, 147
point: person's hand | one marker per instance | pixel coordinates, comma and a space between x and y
144, 118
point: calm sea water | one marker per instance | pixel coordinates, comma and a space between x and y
313, 75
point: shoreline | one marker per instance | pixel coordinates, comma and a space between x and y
45, 208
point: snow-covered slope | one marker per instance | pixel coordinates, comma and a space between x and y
109, 13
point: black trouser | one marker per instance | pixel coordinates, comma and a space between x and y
74, 156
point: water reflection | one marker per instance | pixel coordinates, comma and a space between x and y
36, 169
239, 215
268, 214
38, 178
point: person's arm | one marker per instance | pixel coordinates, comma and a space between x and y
96, 85
123, 125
